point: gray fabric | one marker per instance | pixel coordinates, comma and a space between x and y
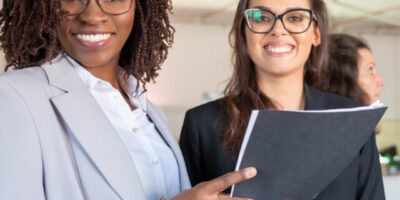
56, 142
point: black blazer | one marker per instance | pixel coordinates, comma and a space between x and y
206, 159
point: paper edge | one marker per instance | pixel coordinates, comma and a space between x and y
371, 107
249, 130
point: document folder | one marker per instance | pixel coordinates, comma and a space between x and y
298, 153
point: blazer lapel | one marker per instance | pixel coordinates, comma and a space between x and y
93, 131
166, 133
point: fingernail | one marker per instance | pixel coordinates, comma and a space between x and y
250, 172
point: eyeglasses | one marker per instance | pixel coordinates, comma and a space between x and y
112, 7
294, 21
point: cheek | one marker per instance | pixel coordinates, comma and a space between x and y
367, 84
126, 23
253, 42
249, 39
62, 33
305, 42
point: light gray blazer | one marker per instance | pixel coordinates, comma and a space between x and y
56, 142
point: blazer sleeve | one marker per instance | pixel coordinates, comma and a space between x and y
20, 157
370, 185
190, 146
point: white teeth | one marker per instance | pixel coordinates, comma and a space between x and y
93, 37
283, 49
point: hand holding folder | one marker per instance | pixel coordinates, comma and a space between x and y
298, 153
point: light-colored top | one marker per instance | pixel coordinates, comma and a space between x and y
155, 162
56, 142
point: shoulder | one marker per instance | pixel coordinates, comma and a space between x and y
24, 78
21, 90
210, 109
317, 99
205, 118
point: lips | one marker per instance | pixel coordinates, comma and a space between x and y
279, 48
93, 40
93, 37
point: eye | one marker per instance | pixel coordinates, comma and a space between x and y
259, 16
371, 70
295, 19
265, 19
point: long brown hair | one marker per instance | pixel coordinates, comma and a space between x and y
28, 35
341, 74
242, 94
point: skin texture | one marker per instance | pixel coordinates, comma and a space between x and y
368, 78
280, 76
101, 61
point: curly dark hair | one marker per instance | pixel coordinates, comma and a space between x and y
341, 75
28, 35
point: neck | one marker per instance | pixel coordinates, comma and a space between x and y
106, 73
287, 92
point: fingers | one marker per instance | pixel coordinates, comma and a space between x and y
221, 183
223, 196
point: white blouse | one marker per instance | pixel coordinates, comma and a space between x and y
154, 160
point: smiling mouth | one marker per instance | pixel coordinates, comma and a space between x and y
93, 37
279, 49
93, 40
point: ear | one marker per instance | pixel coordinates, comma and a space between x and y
316, 40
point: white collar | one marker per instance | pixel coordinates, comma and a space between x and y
128, 84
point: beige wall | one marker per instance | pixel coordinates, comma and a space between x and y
200, 61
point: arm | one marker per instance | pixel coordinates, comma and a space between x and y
370, 184
190, 146
20, 158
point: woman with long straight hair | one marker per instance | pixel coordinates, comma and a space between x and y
279, 49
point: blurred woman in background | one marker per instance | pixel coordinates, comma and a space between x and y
351, 70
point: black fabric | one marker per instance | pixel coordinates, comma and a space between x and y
201, 144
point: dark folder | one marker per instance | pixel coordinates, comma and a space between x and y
298, 153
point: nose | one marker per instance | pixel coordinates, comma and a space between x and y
278, 28
93, 14
380, 80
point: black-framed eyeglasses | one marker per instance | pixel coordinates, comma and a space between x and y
294, 21
111, 7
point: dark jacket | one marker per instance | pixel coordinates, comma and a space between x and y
201, 144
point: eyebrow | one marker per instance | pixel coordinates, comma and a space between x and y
269, 9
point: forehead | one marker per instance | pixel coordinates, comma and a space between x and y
280, 6
365, 56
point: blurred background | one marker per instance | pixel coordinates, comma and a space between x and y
199, 62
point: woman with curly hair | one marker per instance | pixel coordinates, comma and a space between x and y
74, 121
351, 70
